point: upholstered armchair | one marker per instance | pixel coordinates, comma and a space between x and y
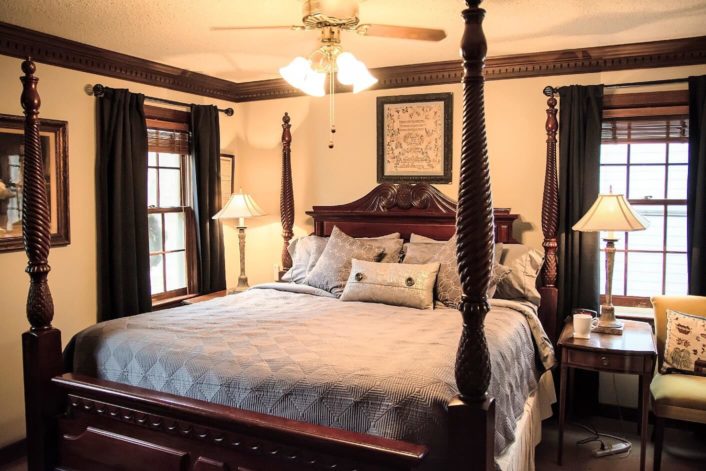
675, 396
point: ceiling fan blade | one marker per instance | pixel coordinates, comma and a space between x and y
404, 32
236, 28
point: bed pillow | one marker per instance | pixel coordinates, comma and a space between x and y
416, 238
419, 252
392, 248
312, 247
305, 252
334, 265
392, 283
521, 283
685, 345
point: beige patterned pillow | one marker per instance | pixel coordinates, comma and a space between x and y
420, 239
521, 283
333, 267
685, 347
420, 252
448, 282
392, 248
392, 283
305, 253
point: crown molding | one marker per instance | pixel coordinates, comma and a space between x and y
21, 42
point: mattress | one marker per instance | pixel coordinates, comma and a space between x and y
297, 353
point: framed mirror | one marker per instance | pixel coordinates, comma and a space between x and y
53, 136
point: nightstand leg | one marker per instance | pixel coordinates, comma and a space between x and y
640, 383
562, 411
645, 381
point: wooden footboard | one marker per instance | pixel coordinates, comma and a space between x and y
106, 423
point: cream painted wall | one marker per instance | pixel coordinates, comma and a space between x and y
73, 276
515, 111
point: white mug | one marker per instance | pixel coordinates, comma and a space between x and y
583, 323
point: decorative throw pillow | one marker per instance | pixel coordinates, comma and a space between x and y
305, 252
521, 283
392, 283
420, 252
416, 238
333, 267
392, 248
685, 347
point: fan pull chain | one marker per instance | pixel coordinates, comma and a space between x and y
332, 93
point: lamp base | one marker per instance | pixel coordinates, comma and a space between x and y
607, 323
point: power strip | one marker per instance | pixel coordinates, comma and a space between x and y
612, 449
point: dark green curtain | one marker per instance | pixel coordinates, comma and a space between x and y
121, 188
580, 110
206, 144
696, 187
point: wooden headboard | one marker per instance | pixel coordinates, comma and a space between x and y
405, 208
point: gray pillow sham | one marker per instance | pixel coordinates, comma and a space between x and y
392, 283
305, 252
334, 265
521, 283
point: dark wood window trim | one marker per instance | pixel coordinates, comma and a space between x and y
641, 106
167, 119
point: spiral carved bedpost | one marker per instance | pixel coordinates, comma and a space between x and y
41, 345
550, 220
286, 198
473, 409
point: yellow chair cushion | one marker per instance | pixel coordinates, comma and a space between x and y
680, 397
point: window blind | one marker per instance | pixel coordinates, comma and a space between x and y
174, 142
625, 131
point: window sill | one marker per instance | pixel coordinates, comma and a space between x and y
642, 314
171, 302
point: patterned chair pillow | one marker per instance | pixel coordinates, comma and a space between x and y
685, 346
392, 283
333, 267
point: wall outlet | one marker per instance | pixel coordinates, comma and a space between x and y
612, 449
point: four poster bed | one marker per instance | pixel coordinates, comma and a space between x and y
114, 420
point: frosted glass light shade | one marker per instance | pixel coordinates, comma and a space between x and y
611, 213
299, 74
239, 205
351, 71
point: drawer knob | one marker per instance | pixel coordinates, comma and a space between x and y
604, 360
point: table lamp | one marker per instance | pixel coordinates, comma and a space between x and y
240, 206
610, 213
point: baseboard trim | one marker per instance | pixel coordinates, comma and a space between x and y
13, 452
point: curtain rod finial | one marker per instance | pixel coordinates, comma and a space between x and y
229, 112
549, 91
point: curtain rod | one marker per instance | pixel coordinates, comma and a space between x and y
98, 90
549, 90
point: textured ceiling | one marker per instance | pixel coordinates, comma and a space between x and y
176, 32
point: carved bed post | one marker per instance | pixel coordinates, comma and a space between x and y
550, 222
286, 198
472, 413
41, 345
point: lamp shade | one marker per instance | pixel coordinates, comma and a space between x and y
239, 205
611, 213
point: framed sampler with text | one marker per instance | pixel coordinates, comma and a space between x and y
414, 138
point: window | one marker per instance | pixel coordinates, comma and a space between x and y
645, 156
170, 217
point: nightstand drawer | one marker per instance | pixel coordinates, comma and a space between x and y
605, 361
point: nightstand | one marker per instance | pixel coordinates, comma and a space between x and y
205, 297
634, 352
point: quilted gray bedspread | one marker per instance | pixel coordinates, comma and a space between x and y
364, 367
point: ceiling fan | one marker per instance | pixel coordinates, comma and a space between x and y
331, 17
343, 15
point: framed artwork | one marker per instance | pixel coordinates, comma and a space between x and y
414, 138
227, 177
53, 137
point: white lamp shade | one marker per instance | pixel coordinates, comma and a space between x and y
611, 213
239, 205
351, 71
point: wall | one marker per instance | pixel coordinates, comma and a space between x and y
515, 114
73, 276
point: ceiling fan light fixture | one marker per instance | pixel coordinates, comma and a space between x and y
299, 74
351, 71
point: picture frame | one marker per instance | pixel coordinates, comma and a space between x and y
54, 144
415, 138
227, 166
